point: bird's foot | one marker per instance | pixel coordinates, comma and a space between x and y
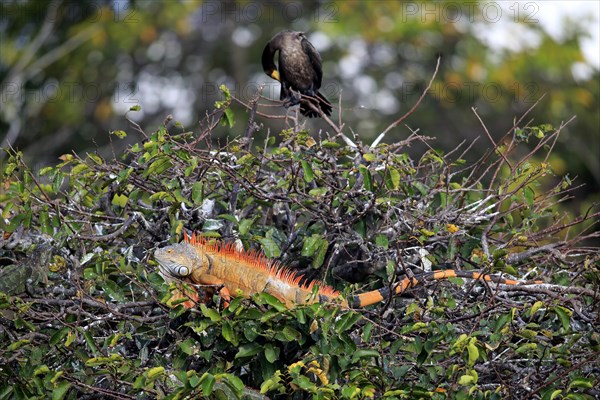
293, 99
290, 103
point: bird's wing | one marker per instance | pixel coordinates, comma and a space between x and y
315, 61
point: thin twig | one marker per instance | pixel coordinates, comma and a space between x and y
413, 108
485, 129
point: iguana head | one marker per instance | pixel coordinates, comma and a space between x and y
177, 260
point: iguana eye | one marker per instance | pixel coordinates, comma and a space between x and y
181, 270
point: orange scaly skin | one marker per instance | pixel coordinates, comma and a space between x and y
198, 261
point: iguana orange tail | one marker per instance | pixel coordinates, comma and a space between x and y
198, 261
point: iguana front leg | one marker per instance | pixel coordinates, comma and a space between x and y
213, 280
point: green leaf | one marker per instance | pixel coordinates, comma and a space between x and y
71, 336
318, 192
535, 307
421, 188
60, 390
229, 217
392, 178
555, 394
46, 170
369, 157
301, 315
382, 241
159, 166
245, 225
228, 118
350, 392
41, 370
119, 133
197, 193
228, 333
139, 382
526, 348
346, 322
272, 383
187, 346
119, 200
95, 158
529, 195
45, 222
97, 361
330, 145
271, 353
366, 332
155, 372
270, 247
311, 244
291, 334
56, 377
90, 342
364, 353
248, 350
113, 290
207, 382
210, 313
502, 321
58, 181
564, 314
272, 301
473, 352
233, 382
368, 182
581, 383
309, 175
321, 253
538, 132
58, 336
194, 380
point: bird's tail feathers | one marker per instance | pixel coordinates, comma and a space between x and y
319, 101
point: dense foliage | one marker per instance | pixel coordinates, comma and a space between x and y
82, 306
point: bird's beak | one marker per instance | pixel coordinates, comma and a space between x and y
275, 75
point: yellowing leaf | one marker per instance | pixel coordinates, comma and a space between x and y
452, 228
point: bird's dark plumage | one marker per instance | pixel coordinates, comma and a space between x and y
299, 72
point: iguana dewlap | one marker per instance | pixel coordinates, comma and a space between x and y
199, 261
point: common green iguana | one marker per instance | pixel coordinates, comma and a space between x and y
198, 261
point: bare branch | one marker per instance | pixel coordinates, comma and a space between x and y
413, 108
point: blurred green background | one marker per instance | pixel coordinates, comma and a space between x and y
70, 70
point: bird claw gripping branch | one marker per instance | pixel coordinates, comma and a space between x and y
200, 261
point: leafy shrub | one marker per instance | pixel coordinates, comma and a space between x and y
83, 311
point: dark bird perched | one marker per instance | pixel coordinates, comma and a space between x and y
299, 72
